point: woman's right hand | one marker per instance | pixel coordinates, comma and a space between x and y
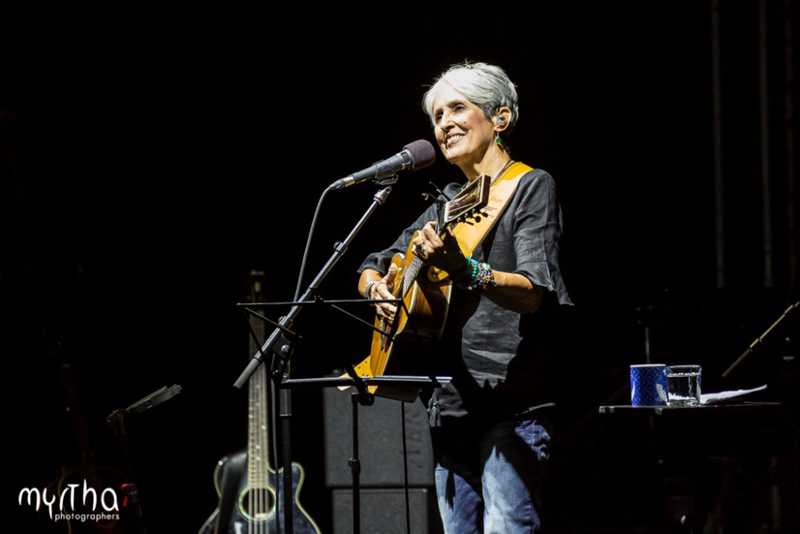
382, 289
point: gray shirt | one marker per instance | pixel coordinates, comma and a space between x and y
501, 361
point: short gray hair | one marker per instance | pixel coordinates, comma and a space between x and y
486, 86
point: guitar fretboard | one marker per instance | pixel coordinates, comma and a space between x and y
412, 271
258, 444
473, 197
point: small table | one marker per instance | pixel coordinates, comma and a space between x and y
710, 452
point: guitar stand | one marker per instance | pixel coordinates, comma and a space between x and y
362, 396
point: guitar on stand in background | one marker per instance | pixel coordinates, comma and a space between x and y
256, 495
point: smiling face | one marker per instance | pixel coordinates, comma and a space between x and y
462, 130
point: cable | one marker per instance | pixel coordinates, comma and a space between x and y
308, 241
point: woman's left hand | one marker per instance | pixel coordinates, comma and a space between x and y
442, 253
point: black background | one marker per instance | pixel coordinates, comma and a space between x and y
151, 161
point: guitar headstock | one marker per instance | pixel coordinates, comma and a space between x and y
256, 281
466, 206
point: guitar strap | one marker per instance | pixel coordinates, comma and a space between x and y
469, 236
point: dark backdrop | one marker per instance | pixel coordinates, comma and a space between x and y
150, 165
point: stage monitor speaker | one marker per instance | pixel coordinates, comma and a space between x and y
383, 511
380, 442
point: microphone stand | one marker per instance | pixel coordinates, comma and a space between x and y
281, 355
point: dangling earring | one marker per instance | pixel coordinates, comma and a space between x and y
498, 140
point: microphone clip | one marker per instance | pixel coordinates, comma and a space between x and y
386, 182
437, 195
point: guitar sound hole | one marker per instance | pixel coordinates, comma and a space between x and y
257, 504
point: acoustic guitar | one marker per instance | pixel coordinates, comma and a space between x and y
425, 292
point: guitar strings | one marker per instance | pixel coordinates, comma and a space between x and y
258, 449
265, 451
260, 522
250, 454
255, 510
260, 526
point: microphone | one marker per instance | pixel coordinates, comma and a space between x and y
415, 155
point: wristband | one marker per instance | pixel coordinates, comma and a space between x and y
368, 288
484, 277
479, 275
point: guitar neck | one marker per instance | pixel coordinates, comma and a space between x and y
257, 424
411, 273
258, 436
465, 206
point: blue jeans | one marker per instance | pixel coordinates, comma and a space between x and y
489, 479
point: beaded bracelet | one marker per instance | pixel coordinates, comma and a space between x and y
481, 275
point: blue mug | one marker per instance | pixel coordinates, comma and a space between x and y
649, 384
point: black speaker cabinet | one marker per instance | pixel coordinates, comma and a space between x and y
380, 442
383, 511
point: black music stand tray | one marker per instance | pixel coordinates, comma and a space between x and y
401, 387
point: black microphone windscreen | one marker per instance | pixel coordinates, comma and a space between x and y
422, 153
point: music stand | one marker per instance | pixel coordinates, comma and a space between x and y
282, 354
401, 386
285, 339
